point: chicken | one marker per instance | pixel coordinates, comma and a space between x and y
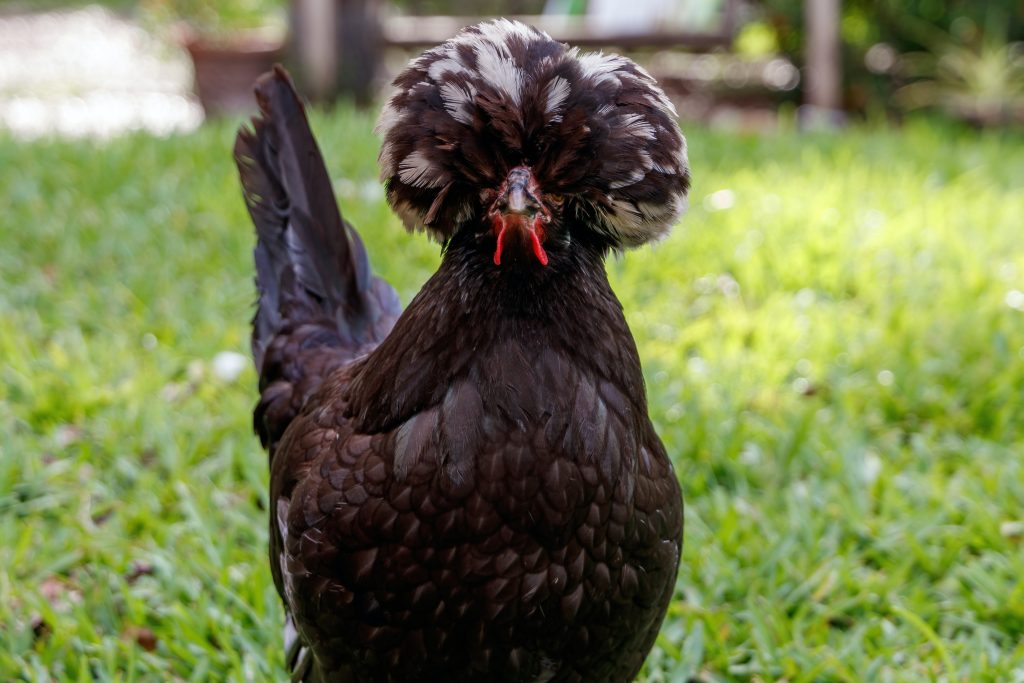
470, 489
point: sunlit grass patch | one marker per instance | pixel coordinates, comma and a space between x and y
834, 347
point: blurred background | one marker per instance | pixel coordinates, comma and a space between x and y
162, 64
832, 338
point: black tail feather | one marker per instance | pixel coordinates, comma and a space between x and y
310, 264
319, 306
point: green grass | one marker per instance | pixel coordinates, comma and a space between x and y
832, 358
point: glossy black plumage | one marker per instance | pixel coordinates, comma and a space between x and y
473, 494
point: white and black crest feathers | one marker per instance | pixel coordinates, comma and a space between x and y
594, 128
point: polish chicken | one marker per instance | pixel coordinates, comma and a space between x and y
469, 489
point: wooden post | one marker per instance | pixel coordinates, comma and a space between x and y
313, 46
823, 66
358, 47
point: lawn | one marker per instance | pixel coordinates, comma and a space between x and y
833, 340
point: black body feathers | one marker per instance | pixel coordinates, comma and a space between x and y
470, 490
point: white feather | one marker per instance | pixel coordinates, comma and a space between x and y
667, 170
418, 171
501, 30
635, 125
458, 101
448, 65
635, 176
496, 67
625, 216
596, 63
558, 91
600, 67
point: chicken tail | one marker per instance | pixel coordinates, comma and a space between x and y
319, 305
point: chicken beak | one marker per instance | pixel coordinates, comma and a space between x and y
517, 197
518, 215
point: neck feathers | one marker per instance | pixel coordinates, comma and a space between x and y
512, 330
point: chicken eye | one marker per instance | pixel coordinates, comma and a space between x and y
556, 198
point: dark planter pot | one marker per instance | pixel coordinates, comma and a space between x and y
227, 68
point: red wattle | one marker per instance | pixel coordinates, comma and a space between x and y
501, 226
538, 250
501, 246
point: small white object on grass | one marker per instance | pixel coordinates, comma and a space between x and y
228, 365
871, 468
1012, 529
720, 200
1015, 299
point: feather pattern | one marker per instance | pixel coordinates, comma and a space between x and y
592, 126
